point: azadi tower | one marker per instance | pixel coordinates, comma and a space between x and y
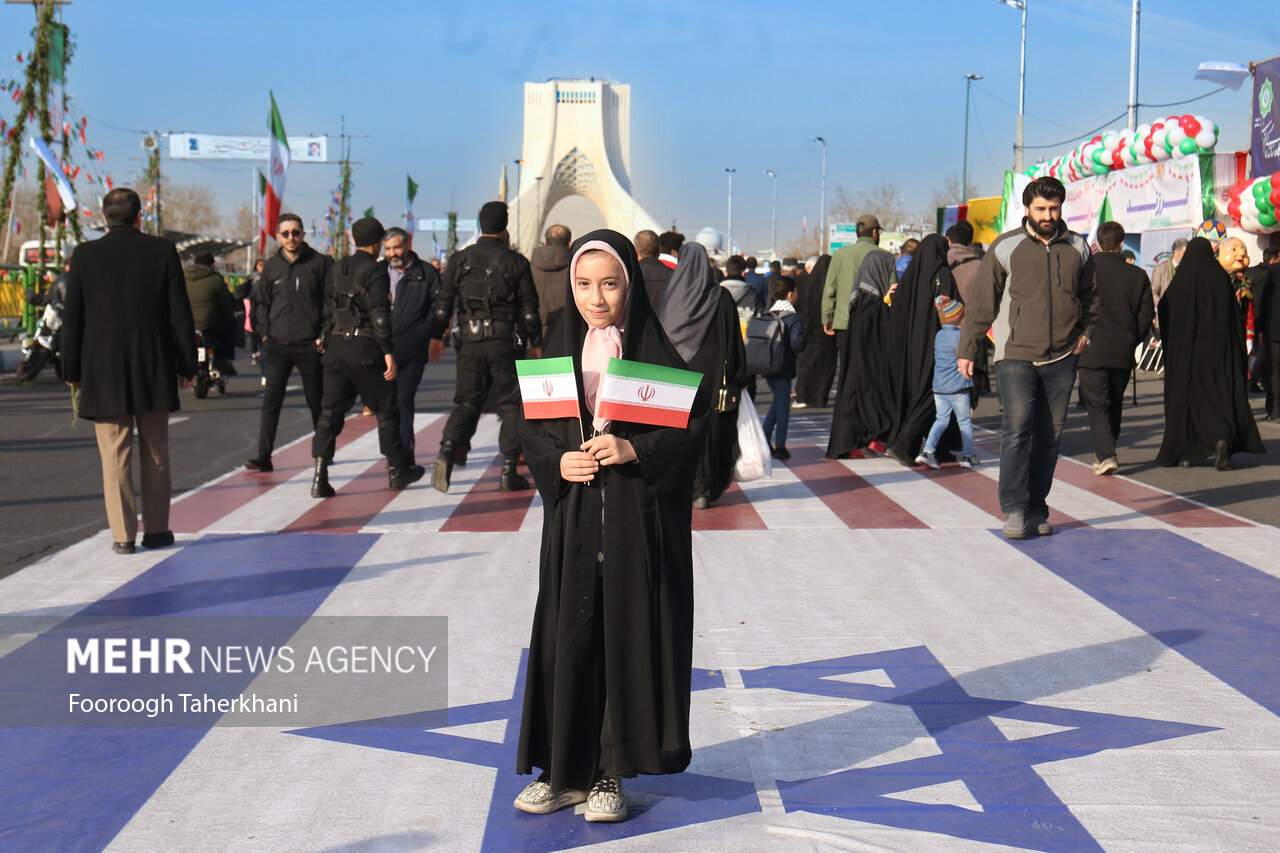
577, 139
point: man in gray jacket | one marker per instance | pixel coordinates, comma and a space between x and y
1035, 290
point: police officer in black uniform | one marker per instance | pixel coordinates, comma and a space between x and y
491, 290
358, 359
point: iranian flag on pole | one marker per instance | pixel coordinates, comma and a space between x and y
279, 167
408, 205
548, 387
642, 393
262, 213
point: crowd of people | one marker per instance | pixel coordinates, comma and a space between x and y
906, 343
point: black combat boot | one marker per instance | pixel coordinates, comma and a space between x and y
511, 481
320, 487
442, 470
400, 478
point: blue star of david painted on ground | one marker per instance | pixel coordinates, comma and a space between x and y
664, 802
1018, 808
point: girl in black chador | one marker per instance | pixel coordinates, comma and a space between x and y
608, 683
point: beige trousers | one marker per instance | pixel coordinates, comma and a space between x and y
115, 446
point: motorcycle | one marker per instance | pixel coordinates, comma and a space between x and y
207, 373
45, 345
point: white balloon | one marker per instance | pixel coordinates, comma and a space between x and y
1176, 135
1206, 138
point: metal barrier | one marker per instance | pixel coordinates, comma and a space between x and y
15, 314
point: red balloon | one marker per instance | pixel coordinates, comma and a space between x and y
1191, 126
1116, 161
1146, 144
1275, 197
1275, 180
1236, 191
1234, 209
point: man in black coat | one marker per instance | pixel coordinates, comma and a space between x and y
1125, 312
414, 287
490, 288
549, 265
288, 305
127, 336
1267, 326
656, 273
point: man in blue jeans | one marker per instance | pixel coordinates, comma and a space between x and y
1035, 291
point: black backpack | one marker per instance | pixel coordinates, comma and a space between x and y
766, 345
483, 290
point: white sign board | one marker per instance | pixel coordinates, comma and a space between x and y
208, 146
443, 225
841, 234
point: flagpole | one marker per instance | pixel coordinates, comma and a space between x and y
8, 228
253, 210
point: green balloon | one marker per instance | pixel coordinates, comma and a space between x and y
1187, 146
1097, 158
1101, 168
1266, 220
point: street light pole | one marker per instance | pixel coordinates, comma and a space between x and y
728, 239
964, 174
538, 183
1133, 65
773, 227
822, 216
519, 164
1022, 83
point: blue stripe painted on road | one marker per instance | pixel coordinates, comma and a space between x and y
1221, 614
65, 788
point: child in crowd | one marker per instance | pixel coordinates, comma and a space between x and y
607, 690
782, 296
950, 387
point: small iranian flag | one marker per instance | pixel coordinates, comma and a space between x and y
642, 393
548, 388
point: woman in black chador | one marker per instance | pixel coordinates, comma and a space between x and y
1206, 410
914, 325
607, 688
701, 322
816, 363
864, 407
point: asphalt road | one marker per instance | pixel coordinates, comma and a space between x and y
51, 493
52, 486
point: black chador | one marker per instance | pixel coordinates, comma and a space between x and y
914, 325
607, 689
1205, 364
864, 407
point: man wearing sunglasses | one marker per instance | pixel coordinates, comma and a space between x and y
288, 309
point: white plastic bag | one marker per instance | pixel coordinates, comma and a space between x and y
754, 459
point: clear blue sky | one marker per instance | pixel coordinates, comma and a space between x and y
437, 87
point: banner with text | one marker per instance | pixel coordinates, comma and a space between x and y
1158, 195
1266, 129
208, 146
